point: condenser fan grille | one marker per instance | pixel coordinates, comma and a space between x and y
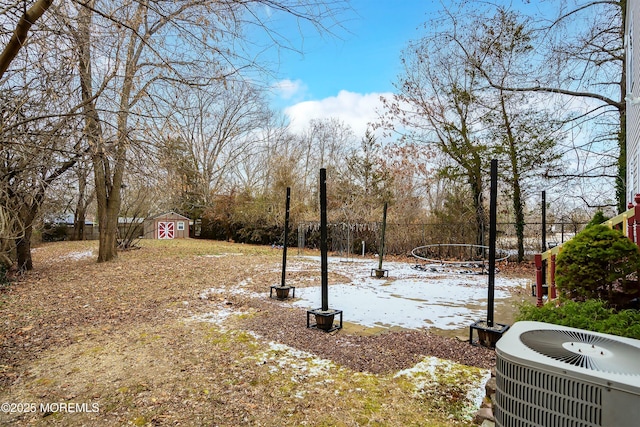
584, 350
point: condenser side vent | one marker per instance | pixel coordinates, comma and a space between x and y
533, 398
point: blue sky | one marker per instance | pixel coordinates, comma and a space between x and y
343, 76
364, 57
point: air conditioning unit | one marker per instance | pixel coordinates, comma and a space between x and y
555, 376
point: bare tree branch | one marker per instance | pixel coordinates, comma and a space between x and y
20, 34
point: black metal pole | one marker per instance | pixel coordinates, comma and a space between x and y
286, 236
323, 240
492, 239
384, 226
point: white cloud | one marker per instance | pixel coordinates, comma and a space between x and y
289, 89
268, 11
355, 109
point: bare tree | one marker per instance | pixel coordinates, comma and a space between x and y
524, 135
328, 142
273, 162
138, 194
155, 45
127, 53
578, 54
27, 170
39, 138
437, 104
214, 131
10, 229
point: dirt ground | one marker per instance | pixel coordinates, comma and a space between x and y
140, 341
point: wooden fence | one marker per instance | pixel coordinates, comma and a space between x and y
628, 222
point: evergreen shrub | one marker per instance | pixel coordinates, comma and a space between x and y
599, 263
591, 315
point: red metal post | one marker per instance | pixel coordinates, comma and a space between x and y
538, 262
630, 222
636, 218
552, 268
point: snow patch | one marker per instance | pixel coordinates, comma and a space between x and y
301, 364
224, 254
208, 293
432, 373
217, 317
78, 255
408, 298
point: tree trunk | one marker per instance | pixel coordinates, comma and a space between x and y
23, 251
107, 189
478, 205
79, 218
80, 213
108, 200
23, 243
519, 217
518, 204
78, 225
621, 187
108, 227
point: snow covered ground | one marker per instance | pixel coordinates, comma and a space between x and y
409, 298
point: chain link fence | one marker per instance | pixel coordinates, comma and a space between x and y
400, 239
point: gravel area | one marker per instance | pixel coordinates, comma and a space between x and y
380, 353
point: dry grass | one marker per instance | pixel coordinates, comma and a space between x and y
122, 339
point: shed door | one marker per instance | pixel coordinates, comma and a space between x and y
166, 230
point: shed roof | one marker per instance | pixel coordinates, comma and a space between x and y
171, 213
